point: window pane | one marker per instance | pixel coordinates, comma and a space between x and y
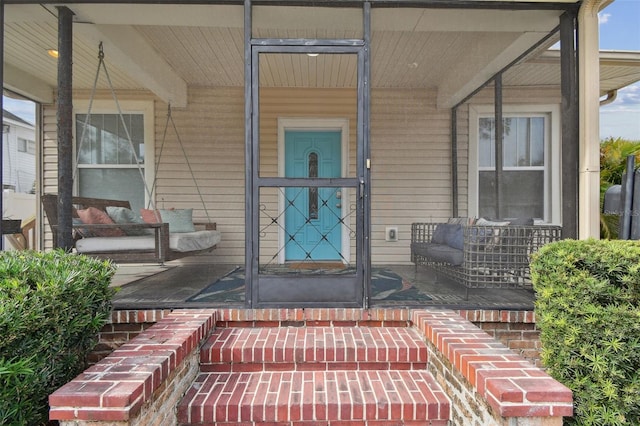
105, 140
114, 184
523, 142
486, 144
510, 142
537, 141
522, 194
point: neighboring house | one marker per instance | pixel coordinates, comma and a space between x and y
19, 154
313, 131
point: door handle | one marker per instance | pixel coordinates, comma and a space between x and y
339, 205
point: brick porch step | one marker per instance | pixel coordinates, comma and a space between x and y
313, 348
314, 376
315, 398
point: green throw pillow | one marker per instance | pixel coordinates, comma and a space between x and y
125, 215
179, 220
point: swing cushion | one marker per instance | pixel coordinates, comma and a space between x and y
183, 242
125, 215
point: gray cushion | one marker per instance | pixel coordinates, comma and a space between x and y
444, 253
448, 234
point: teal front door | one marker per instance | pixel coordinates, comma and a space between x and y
312, 215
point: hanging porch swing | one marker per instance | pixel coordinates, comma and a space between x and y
109, 229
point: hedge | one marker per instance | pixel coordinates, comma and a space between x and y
588, 312
52, 306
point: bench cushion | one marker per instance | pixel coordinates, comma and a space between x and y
181, 242
439, 253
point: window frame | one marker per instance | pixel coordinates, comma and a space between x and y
552, 172
146, 108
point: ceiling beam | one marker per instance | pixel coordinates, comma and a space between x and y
27, 85
130, 52
466, 78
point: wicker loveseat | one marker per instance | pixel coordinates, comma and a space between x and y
482, 255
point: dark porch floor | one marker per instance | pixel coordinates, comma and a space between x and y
170, 285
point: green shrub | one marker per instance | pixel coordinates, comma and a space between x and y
52, 306
588, 312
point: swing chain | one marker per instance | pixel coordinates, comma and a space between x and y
100, 52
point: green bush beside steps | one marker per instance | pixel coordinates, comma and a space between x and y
588, 313
52, 306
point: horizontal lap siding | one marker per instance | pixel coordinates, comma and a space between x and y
411, 167
211, 130
49, 171
410, 158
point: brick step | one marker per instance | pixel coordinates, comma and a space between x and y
313, 348
315, 398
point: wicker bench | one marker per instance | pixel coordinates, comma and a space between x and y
480, 256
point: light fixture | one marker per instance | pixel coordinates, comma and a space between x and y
312, 55
53, 53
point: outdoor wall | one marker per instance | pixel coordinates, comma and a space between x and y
410, 156
410, 170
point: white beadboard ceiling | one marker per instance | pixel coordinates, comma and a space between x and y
166, 48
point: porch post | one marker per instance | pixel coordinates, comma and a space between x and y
454, 161
499, 141
250, 243
65, 125
570, 125
589, 131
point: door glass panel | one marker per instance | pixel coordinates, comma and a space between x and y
313, 191
308, 118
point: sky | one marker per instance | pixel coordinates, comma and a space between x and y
619, 30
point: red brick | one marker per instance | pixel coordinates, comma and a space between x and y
544, 390
504, 390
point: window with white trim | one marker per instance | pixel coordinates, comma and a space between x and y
111, 156
529, 173
25, 145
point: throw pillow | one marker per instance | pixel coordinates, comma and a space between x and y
455, 237
81, 232
125, 215
440, 233
495, 241
179, 220
448, 234
460, 221
522, 221
93, 215
150, 216
485, 222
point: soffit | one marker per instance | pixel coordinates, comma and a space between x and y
204, 45
617, 70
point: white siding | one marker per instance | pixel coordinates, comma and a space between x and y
411, 167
